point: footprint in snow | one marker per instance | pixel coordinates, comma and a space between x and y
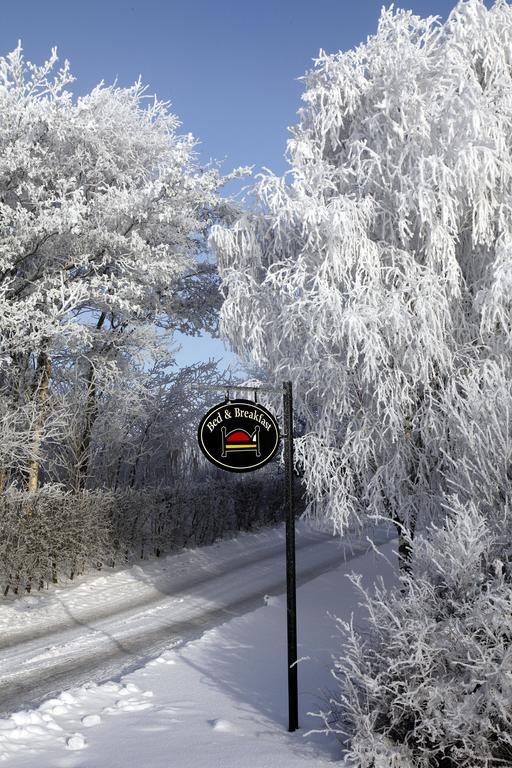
271, 600
90, 720
76, 741
223, 726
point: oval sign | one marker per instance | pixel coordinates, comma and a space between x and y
238, 435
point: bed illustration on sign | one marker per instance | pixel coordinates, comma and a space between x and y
240, 440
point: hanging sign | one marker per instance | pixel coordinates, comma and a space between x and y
238, 435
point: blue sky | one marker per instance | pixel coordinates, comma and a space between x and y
229, 67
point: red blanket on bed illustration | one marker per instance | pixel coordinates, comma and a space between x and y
240, 440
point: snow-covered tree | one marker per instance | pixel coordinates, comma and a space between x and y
377, 272
426, 682
152, 444
103, 216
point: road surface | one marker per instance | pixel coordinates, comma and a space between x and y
113, 623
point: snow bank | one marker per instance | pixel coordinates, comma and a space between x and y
218, 701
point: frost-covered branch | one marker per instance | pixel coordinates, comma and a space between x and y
376, 272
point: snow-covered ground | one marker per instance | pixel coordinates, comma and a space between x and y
216, 700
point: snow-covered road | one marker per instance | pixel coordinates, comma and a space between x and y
110, 624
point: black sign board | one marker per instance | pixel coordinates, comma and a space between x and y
238, 435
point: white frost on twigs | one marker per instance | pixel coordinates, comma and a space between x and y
376, 274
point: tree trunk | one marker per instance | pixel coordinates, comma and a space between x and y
17, 392
91, 412
41, 394
404, 552
404, 545
82, 465
133, 472
404, 541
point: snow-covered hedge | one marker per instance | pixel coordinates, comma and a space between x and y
53, 534
427, 682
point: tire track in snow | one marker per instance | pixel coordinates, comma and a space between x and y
92, 649
147, 593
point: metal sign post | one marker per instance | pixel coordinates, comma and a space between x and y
291, 586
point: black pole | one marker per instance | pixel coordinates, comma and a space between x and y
291, 588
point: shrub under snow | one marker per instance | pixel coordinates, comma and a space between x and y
428, 681
54, 534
